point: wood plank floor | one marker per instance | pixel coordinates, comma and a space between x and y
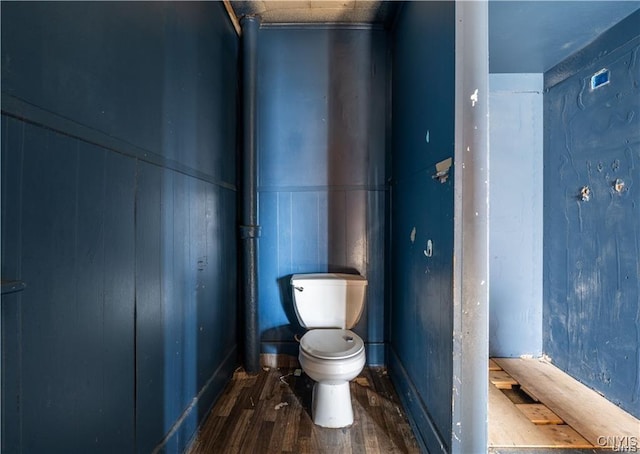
271, 413
533, 404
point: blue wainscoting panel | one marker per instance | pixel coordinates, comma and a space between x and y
72, 328
10, 303
150, 333
421, 347
592, 218
179, 269
119, 212
322, 94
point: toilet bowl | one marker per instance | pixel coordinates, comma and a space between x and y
329, 305
331, 358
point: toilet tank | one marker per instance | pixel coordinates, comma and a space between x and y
328, 300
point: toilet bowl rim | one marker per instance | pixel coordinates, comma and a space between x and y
355, 353
360, 352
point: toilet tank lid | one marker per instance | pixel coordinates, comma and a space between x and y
329, 279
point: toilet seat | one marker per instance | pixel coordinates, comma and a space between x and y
331, 344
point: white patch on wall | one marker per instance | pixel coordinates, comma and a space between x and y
474, 98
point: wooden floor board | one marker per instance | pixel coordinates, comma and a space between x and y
508, 427
270, 413
590, 414
493, 365
501, 379
539, 414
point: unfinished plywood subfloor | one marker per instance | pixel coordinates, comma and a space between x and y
567, 414
270, 413
501, 380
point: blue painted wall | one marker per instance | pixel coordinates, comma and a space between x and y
420, 358
118, 211
592, 248
322, 113
515, 238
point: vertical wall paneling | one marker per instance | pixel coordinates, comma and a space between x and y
106, 320
420, 343
150, 309
322, 93
11, 136
592, 237
63, 247
3, 133
515, 246
12, 139
178, 254
119, 212
52, 254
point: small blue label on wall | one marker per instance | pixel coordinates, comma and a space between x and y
599, 79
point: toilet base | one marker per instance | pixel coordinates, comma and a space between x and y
331, 405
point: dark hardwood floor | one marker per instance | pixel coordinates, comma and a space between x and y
270, 413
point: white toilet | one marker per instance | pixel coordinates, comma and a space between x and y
329, 305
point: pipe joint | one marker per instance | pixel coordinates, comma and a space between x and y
250, 231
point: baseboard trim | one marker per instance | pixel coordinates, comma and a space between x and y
180, 436
277, 360
423, 426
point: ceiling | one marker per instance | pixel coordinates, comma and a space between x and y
314, 12
534, 36
525, 36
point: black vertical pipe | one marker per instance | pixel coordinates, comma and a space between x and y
249, 229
